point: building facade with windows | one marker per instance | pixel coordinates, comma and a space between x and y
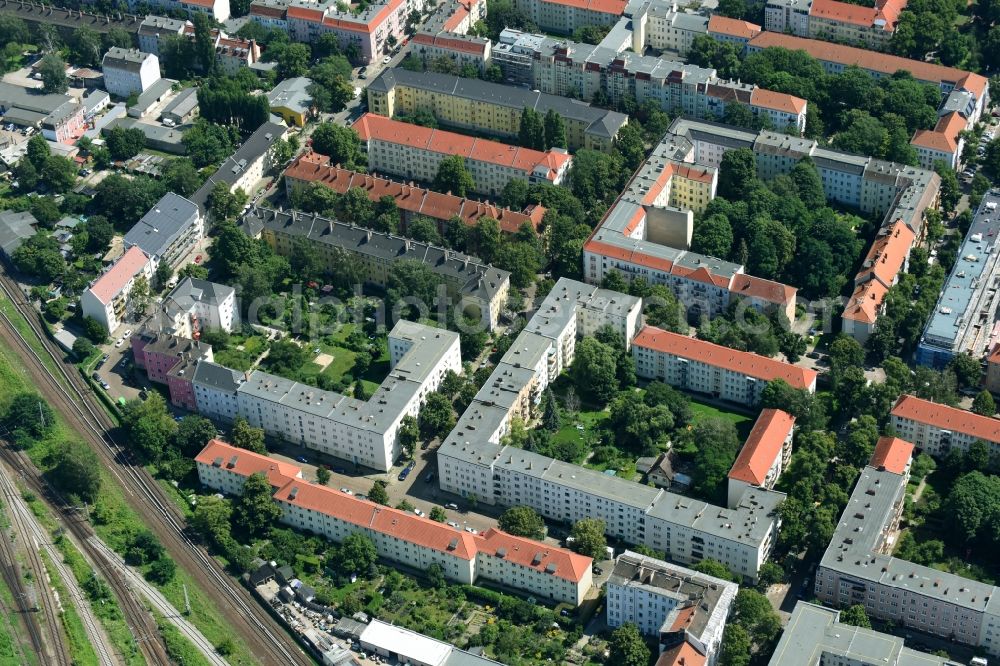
129, 71
415, 153
196, 305
764, 456
168, 231
937, 428
107, 298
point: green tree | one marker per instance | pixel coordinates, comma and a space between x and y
737, 174
124, 143
754, 612
531, 129
356, 553
863, 135
718, 445
77, 471
322, 476
39, 257
82, 348
149, 429
95, 330
99, 232
551, 419
409, 433
713, 236
555, 130
968, 370
452, 176
437, 417
162, 570
984, 404
714, 568
378, 493
224, 204
736, 646
211, 518
487, 238
588, 538
255, 512
522, 521
181, 176
438, 514
126, 200
245, 436
340, 144
855, 616
594, 370
193, 433
53, 72
627, 648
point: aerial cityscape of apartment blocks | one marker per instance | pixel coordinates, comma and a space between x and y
963, 320
858, 566
702, 367
684, 609
410, 151
937, 428
417, 542
615, 68
411, 201
492, 108
478, 288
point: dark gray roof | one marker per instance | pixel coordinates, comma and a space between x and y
153, 94
471, 276
217, 376
162, 225
193, 290
128, 59
14, 229
252, 149
600, 121
155, 25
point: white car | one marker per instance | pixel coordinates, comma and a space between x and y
346, 491
386, 60
472, 530
419, 512
127, 333
119, 342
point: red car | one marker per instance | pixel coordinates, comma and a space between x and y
197, 259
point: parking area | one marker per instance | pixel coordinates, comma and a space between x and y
116, 372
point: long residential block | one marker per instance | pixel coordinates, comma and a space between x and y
858, 567
473, 462
703, 367
679, 606
521, 564
411, 201
414, 152
479, 289
835, 21
565, 16
886, 260
937, 428
764, 456
491, 108
168, 231
964, 317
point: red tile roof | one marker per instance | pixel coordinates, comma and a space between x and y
683, 654
747, 363
245, 463
768, 99
843, 12
944, 137
917, 409
450, 43
884, 261
766, 290
109, 285
883, 63
723, 25
865, 302
613, 7
892, 454
762, 447
316, 168
372, 126
568, 565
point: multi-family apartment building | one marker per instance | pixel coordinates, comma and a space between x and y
944, 143
490, 108
868, 26
677, 605
703, 367
724, 29
565, 16
815, 635
216, 9
399, 536
197, 305
616, 71
107, 298
444, 34
373, 30
764, 456
215, 389
858, 566
169, 231
478, 289
411, 201
937, 429
129, 71
473, 461
157, 352
59, 117
413, 152
993, 370
364, 432
886, 260
965, 313
647, 230
245, 168
231, 53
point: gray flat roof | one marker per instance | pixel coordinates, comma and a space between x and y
218, 377
162, 225
155, 133
183, 103
292, 93
153, 94
233, 168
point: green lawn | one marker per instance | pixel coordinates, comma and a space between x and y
703, 410
592, 422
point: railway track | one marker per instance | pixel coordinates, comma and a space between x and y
265, 637
58, 648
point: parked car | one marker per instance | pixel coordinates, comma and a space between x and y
452, 506
96, 376
106, 386
127, 333
346, 491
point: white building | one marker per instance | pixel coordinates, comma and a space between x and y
413, 152
675, 604
402, 646
215, 389
128, 71
168, 231
937, 428
765, 454
245, 168
473, 462
216, 9
196, 305
107, 299
720, 372
417, 542
365, 433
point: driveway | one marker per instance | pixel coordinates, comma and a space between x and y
117, 371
